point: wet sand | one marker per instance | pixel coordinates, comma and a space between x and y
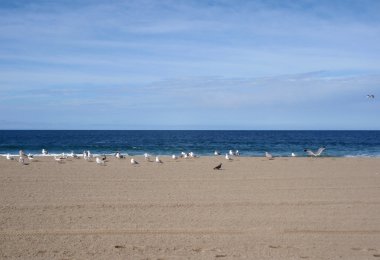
287, 208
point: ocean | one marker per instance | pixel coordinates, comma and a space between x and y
202, 142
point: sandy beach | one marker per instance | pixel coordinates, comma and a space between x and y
287, 208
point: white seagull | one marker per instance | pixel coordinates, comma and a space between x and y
227, 157
9, 157
21, 160
158, 160
133, 161
174, 157
21, 153
100, 161
315, 154
58, 159
231, 152
30, 157
269, 156
192, 155
147, 157
237, 153
44, 152
216, 153
293, 155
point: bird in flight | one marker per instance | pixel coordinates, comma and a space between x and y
371, 96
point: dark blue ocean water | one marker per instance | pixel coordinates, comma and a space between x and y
249, 143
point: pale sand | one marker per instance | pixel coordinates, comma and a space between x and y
287, 208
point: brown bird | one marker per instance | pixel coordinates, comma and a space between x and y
218, 167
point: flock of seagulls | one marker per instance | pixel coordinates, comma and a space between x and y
101, 159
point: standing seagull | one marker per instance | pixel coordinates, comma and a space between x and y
158, 160
315, 154
269, 156
227, 157
218, 167
9, 157
30, 157
146, 156
216, 153
44, 152
100, 161
58, 159
174, 157
294, 155
133, 161
21, 160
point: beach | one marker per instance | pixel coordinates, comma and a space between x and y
254, 208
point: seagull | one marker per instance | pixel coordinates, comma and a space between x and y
158, 160
269, 156
371, 96
237, 153
133, 161
103, 157
227, 157
44, 152
9, 157
192, 155
174, 157
73, 155
315, 154
118, 155
146, 156
100, 161
218, 167
231, 153
216, 153
21, 153
86, 157
293, 155
21, 160
58, 159
30, 157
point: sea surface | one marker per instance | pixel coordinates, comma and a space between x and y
249, 143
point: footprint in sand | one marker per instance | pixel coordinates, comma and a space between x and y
376, 255
270, 246
117, 246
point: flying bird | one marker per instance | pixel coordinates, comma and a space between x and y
371, 96
315, 154
218, 167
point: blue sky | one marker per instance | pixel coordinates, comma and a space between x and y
189, 64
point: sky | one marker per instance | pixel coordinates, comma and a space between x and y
148, 64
